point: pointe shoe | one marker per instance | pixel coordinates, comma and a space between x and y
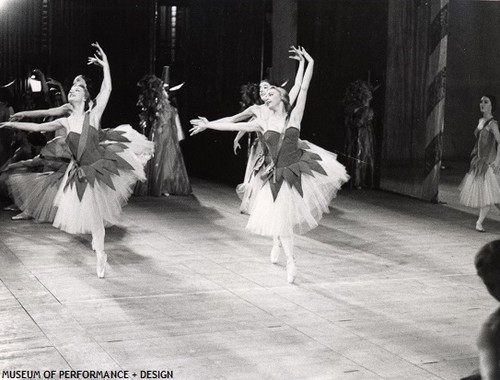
291, 271
275, 253
102, 258
479, 227
21, 216
12, 207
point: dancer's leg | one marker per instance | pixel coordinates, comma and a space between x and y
276, 250
483, 211
98, 246
291, 268
23, 215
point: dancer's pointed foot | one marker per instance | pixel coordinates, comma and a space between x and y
291, 271
479, 227
11, 207
21, 216
102, 258
275, 253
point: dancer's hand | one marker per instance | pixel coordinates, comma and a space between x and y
295, 54
199, 125
306, 55
236, 146
99, 58
4, 124
17, 116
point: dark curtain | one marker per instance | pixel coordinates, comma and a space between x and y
416, 72
348, 40
223, 52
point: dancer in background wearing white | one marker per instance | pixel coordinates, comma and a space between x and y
99, 178
298, 183
480, 187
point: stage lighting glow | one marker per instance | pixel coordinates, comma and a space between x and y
35, 85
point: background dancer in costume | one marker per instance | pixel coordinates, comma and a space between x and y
480, 187
100, 177
299, 182
166, 172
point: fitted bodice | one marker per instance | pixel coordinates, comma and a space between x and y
485, 146
93, 161
289, 152
90, 152
485, 149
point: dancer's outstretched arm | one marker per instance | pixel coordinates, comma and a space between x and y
298, 111
63, 110
242, 116
203, 123
102, 98
295, 54
34, 127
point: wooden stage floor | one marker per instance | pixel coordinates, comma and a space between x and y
386, 289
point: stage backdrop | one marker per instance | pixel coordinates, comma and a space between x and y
473, 70
415, 95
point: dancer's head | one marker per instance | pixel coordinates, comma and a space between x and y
488, 103
487, 263
264, 86
277, 95
79, 94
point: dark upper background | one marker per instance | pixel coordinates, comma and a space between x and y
222, 44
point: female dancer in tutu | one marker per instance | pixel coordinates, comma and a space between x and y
480, 187
255, 162
299, 183
34, 188
99, 178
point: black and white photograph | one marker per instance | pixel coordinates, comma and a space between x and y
250, 189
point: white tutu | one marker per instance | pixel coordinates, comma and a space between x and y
100, 203
290, 212
138, 144
480, 191
246, 192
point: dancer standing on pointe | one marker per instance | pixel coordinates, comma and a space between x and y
99, 178
255, 163
480, 187
298, 183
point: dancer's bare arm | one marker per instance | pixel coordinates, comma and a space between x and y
34, 127
298, 111
203, 123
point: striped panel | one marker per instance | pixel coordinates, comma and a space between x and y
436, 91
